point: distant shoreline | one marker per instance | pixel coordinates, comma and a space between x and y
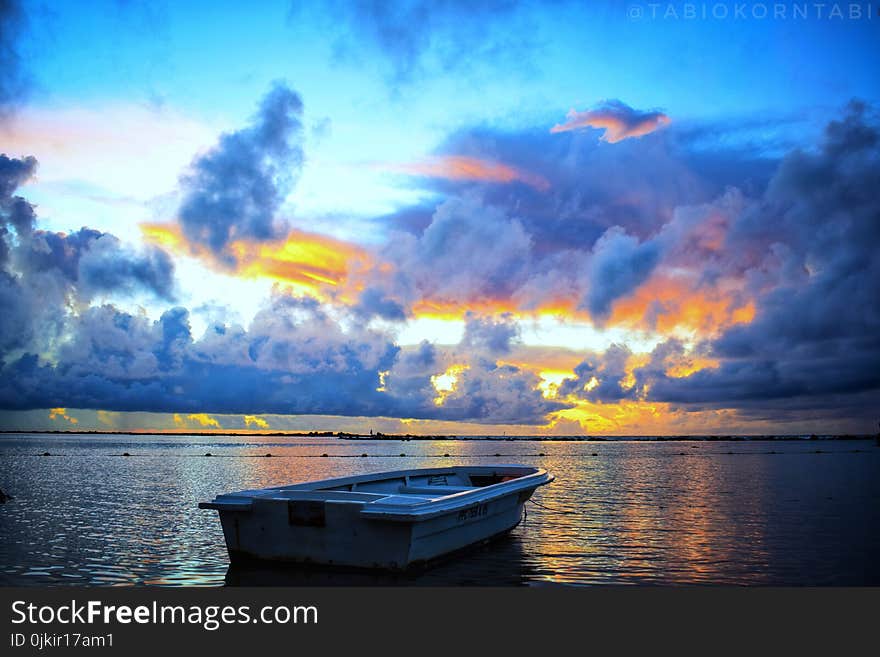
342, 435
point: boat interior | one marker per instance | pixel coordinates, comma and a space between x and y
401, 488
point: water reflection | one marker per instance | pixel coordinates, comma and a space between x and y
733, 513
499, 563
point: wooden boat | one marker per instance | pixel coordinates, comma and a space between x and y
388, 520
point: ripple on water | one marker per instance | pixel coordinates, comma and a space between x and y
619, 512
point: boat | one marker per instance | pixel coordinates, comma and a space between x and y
393, 521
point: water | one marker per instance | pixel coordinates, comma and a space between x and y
766, 513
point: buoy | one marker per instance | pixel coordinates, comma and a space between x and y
402, 454
207, 453
46, 454
446, 455
542, 454
496, 454
364, 455
595, 454
126, 454
268, 455
324, 455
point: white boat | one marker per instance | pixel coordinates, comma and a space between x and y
388, 520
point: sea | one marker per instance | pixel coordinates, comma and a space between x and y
633, 511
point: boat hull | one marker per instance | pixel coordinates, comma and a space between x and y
346, 539
307, 526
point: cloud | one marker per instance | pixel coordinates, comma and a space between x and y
632, 236
197, 420
92, 262
12, 75
45, 274
415, 36
61, 413
619, 264
107, 266
234, 190
373, 302
469, 252
806, 253
618, 120
313, 264
256, 421
16, 211
491, 335
603, 377
466, 168
292, 359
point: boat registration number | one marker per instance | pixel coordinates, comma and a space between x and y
477, 511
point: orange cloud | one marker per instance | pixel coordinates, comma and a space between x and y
195, 419
456, 309
61, 413
626, 417
307, 261
256, 421
672, 305
463, 167
618, 120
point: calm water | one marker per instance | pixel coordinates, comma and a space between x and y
619, 512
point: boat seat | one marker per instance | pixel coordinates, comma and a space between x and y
403, 500
435, 490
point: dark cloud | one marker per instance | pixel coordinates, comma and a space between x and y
591, 237
490, 335
94, 263
374, 303
469, 251
234, 190
292, 359
808, 252
15, 210
419, 35
500, 394
611, 216
12, 75
108, 266
44, 273
619, 264
602, 377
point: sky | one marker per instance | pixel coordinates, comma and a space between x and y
450, 217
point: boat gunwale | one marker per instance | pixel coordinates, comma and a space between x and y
423, 510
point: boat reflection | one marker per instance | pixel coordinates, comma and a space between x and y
499, 563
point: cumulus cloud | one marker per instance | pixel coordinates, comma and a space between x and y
234, 190
602, 377
631, 235
468, 252
292, 359
806, 251
619, 264
618, 121
44, 273
492, 335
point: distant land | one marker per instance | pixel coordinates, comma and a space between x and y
408, 437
